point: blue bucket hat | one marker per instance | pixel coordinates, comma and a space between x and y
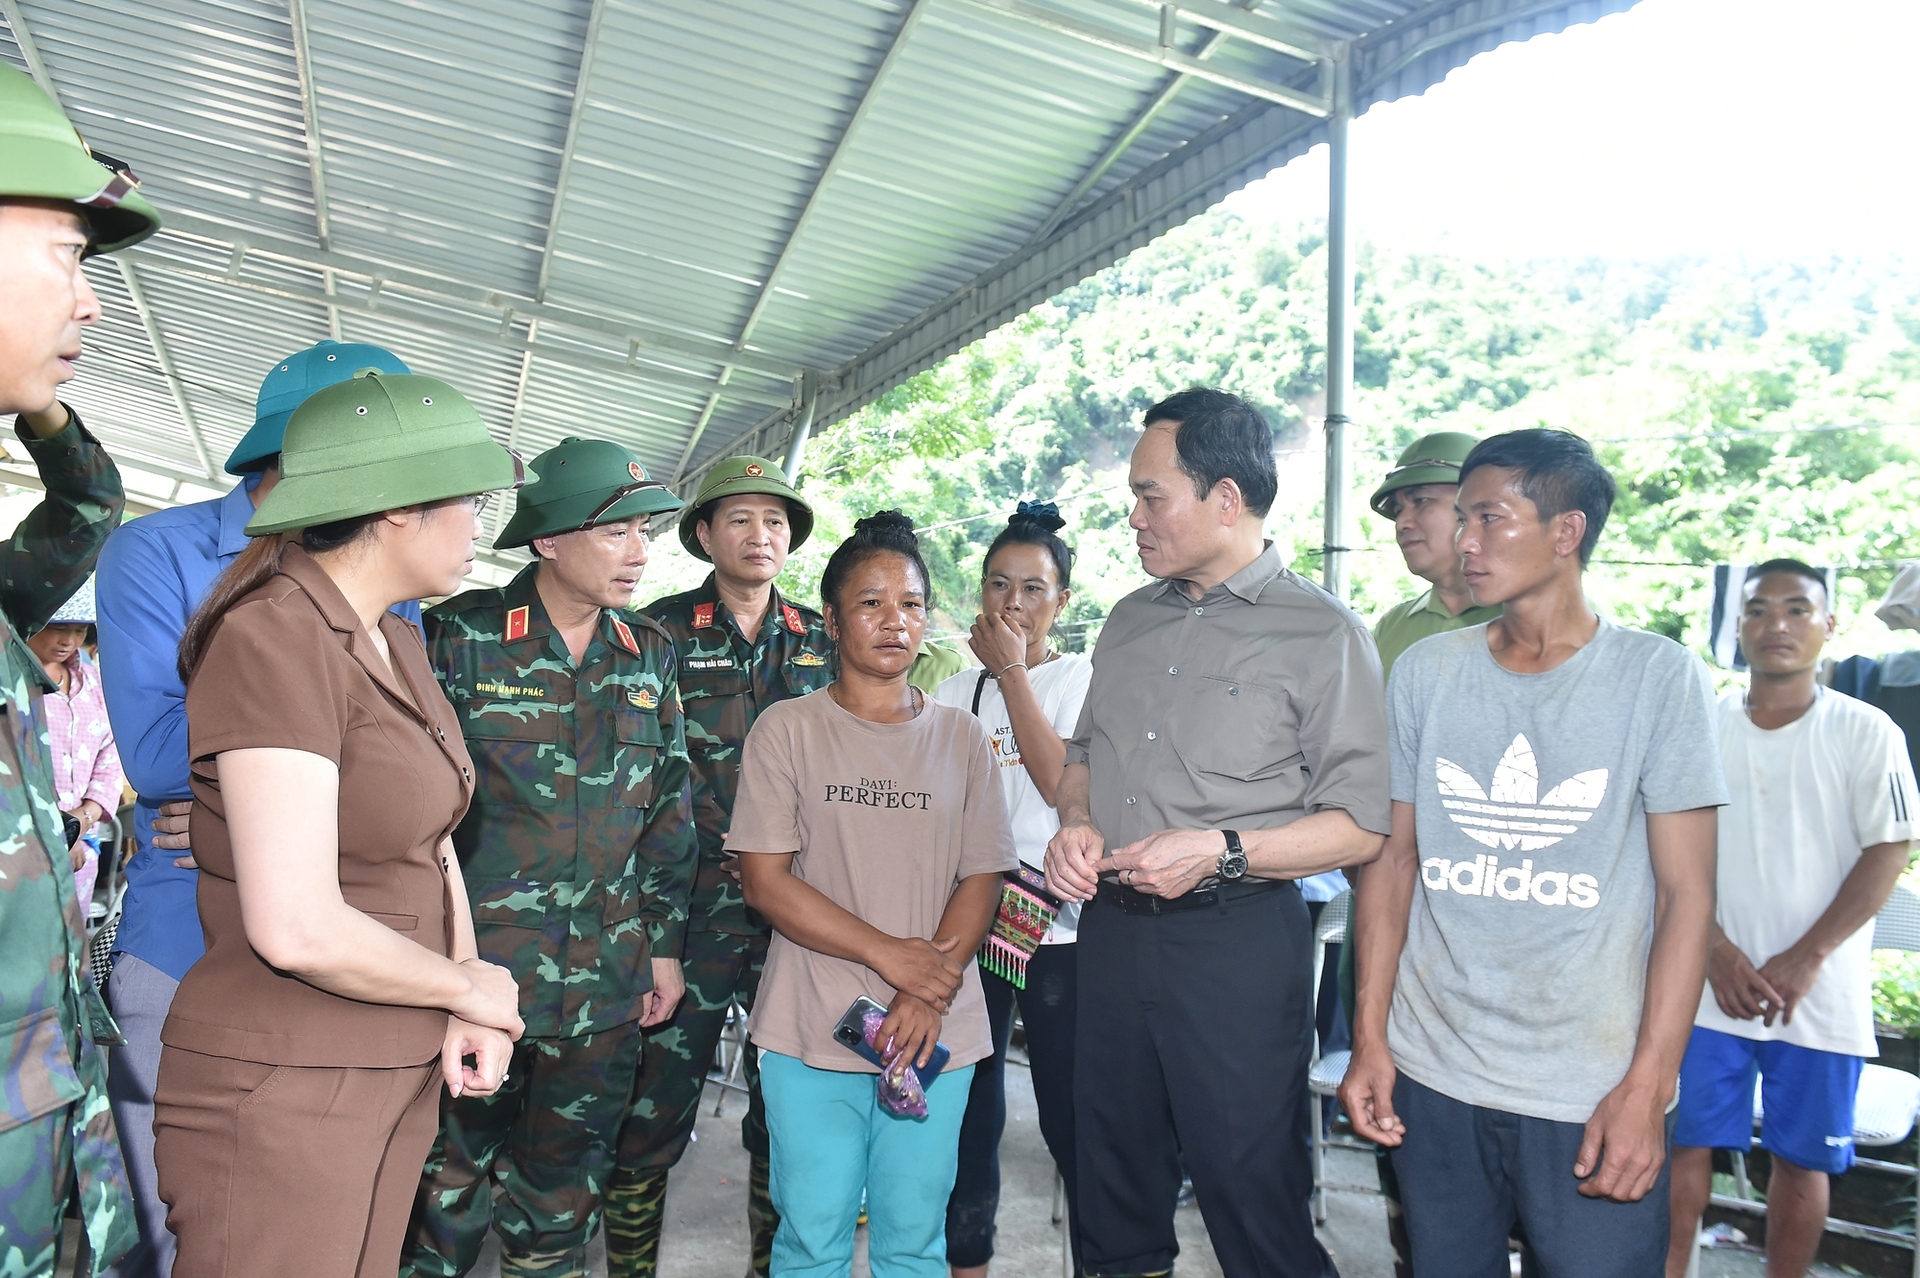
289, 383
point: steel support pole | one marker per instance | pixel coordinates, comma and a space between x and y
1339, 329
803, 427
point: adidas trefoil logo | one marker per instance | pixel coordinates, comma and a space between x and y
1512, 816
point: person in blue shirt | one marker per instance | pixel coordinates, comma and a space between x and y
153, 574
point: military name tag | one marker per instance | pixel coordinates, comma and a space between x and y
711, 663
492, 688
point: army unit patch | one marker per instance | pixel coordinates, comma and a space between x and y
516, 623
645, 698
808, 659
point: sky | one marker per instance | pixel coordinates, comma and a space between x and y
1764, 128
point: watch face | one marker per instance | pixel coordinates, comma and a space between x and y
1233, 865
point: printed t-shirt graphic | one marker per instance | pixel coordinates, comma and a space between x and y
1521, 984
1511, 817
886, 818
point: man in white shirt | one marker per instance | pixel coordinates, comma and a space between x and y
1810, 849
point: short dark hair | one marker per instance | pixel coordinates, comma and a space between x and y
886, 532
1036, 523
1221, 436
1793, 566
1557, 473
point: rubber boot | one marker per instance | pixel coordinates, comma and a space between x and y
635, 1204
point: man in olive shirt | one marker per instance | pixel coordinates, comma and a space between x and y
1417, 495
1233, 740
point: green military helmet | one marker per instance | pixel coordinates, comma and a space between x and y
1432, 459
736, 477
42, 157
582, 482
379, 442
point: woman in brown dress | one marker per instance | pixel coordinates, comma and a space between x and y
303, 1056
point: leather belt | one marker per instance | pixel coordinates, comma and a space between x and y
1131, 901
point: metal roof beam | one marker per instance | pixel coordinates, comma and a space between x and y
829, 169
316, 160
1123, 142
500, 335
37, 66
562, 172
1233, 20
565, 169
639, 333
164, 358
1163, 54
1249, 144
769, 285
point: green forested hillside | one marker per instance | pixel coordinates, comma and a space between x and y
1747, 410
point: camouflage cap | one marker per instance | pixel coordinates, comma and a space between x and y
42, 157
379, 442
579, 483
736, 477
1432, 459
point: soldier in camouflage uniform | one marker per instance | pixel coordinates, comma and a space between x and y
742, 648
578, 854
58, 204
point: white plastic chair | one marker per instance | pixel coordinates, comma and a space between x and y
1326, 1073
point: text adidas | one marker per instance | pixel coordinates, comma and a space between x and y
1483, 876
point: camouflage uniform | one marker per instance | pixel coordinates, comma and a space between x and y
726, 681
55, 1127
578, 855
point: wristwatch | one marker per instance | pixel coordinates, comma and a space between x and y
1233, 862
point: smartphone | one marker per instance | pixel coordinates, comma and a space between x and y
851, 1034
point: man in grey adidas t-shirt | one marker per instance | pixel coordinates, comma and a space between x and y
1532, 942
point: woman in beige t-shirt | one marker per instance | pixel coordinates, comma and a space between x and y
872, 834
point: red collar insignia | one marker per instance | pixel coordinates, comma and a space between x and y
702, 616
626, 636
791, 615
516, 623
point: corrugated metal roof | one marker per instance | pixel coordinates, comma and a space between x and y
645, 218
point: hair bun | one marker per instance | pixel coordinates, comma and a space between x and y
885, 523
1043, 513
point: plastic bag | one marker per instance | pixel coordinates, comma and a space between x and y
899, 1082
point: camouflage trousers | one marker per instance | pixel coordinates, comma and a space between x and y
720, 968
546, 1141
36, 1180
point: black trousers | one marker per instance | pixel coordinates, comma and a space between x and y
1047, 1009
1195, 1033
1468, 1175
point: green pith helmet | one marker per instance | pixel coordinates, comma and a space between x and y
736, 477
43, 158
579, 483
1434, 459
378, 442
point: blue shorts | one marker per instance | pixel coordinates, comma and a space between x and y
1807, 1095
